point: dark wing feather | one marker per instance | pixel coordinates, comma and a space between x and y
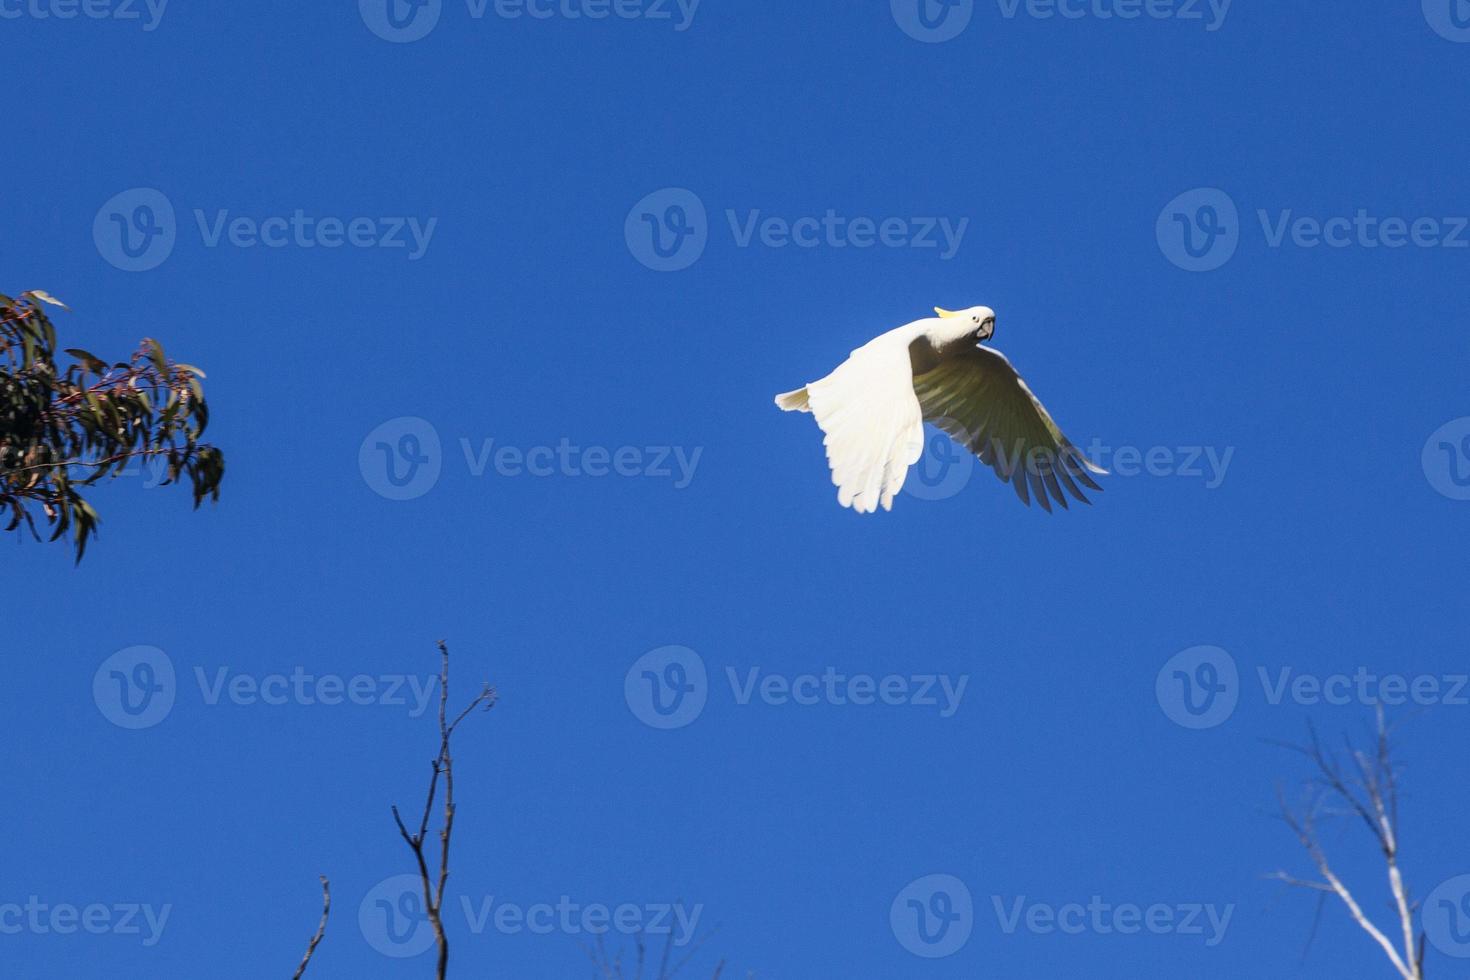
977, 397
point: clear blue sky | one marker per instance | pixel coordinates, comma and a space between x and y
528, 314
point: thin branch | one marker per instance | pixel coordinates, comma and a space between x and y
1285, 878
692, 950
321, 928
442, 764
107, 461
1371, 794
663, 966
612, 968
608, 969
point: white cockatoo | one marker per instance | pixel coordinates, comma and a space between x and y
874, 406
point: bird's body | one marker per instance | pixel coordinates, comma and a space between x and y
872, 409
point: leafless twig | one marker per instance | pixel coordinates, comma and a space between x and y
1369, 788
442, 764
611, 968
321, 928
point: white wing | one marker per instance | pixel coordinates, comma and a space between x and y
873, 423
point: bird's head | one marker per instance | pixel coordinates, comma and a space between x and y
979, 320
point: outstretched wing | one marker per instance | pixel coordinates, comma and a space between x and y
873, 424
978, 398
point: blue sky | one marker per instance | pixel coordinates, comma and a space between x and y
588, 471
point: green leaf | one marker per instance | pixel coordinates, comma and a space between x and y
46, 297
155, 351
55, 431
94, 363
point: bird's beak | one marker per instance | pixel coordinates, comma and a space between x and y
946, 314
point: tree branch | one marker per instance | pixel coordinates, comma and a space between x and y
321, 928
442, 764
1373, 796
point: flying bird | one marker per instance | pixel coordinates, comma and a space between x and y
872, 410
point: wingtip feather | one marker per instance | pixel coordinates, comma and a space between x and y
794, 401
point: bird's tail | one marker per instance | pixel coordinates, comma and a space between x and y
794, 401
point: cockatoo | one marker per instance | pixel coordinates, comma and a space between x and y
874, 406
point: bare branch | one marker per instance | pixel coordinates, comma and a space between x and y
442, 764
612, 968
321, 928
1285, 878
599, 960
1371, 793
692, 950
